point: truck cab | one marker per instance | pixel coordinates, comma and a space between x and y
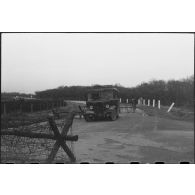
102, 103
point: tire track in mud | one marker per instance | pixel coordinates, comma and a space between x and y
140, 124
155, 128
144, 119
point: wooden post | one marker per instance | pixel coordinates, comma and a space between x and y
144, 102
171, 107
127, 101
158, 104
31, 107
148, 102
21, 107
4, 109
120, 100
153, 102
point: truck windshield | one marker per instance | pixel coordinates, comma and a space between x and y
93, 96
107, 94
100, 95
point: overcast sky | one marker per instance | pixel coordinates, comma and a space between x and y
34, 62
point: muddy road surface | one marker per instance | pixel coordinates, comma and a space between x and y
134, 137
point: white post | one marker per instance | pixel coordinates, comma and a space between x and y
171, 107
139, 102
144, 102
127, 101
153, 102
148, 102
120, 100
158, 104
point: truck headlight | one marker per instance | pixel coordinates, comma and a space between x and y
91, 107
107, 106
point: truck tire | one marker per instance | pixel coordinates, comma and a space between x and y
113, 116
88, 119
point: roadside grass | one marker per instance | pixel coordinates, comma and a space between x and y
175, 113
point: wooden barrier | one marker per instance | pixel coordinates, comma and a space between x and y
126, 108
60, 138
36, 135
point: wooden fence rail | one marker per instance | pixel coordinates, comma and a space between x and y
37, 135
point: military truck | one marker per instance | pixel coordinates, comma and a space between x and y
102, 103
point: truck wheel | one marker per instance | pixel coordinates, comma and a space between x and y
113, 116
88, 119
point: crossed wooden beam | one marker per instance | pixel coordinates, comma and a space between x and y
61, 138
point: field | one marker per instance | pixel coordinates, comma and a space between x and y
147, 136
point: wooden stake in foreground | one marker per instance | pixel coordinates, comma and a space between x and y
61, 138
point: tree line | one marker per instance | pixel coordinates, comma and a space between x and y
179, 91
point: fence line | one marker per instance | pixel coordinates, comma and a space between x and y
8, 107
144, 102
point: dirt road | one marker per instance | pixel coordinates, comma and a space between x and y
134, 137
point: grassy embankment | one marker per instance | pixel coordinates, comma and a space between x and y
175, 114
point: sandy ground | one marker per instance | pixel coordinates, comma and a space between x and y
133, 137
